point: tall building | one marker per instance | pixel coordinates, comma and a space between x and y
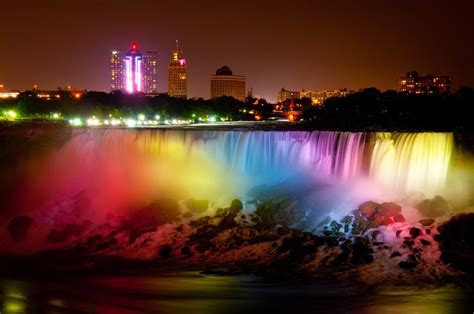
134, 71
177, 74
224, 83
414, 84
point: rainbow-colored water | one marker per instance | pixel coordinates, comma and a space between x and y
120, 167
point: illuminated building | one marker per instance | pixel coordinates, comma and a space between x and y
134, 71
317, 97
224, 83
412, 83
177, 74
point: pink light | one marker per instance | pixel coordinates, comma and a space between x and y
138, 73
128, 74
182, 61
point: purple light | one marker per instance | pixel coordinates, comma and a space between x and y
182, 61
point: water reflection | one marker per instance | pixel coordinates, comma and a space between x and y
189, 292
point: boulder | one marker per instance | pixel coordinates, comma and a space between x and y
155, 214
367, 209
456, 242
399, 218
389, 209
435, 207
235, 206
427, 222
415, 232
165, 251
19, 226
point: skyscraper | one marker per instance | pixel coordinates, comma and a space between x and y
413, 83
134, 72
177, 74
224, 83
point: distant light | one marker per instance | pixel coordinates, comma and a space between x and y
75, 122
211, 119
157, 117
55, 115
130, 123
141, 117
11, 114
93, 121
77, 95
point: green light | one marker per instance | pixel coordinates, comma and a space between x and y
11, 114
56, 115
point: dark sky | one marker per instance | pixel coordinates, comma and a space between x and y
297, 44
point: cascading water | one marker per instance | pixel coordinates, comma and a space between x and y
119, 167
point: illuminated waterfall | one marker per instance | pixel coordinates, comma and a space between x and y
122, 166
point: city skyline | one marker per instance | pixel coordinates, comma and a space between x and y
360, 45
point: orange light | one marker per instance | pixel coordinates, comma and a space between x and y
257, 117
77, 95
291, 117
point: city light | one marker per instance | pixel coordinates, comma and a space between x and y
141, 117
75, 122
11, 114
56, 115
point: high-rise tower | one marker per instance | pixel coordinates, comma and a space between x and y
177, 74
134, 72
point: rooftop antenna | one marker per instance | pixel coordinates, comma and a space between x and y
177, 45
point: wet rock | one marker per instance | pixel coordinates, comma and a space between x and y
389, 209
290, 243
165, 251
456, 242
156, 214
203, 246
360, 225
185, 250
425, 242
367, 209
378, 236
409, 243
228, 222
398, 233
427, 222
266, 212
332, 241
61, 235
335, 225
361, 251
235, 206
266, 237
246, 233
435, 207
19, 226
347, 219
399, 218
395, 254
407, 265
415, 232
376, 221
197, 206
200, 221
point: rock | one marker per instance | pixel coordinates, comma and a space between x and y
376, 220
185, 250
427, 222
415, 232
395, 254
456, 242
69, 230
165, 251
425, 242
228, 222
360, 225
389, 209
203, 246
361, 251
377, 236
335, 225
347, 219
235, 206
436, 207
367, 209
200, 221
399, 218
246, 233
266, 212
197, 206
407, 265
387, 221
155, 214
19, 226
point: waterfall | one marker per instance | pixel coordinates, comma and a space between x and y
129, 166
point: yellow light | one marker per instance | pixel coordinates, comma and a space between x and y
11, 114
77, 95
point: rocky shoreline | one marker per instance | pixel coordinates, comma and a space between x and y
373, 244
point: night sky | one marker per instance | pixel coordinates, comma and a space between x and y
297, 44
